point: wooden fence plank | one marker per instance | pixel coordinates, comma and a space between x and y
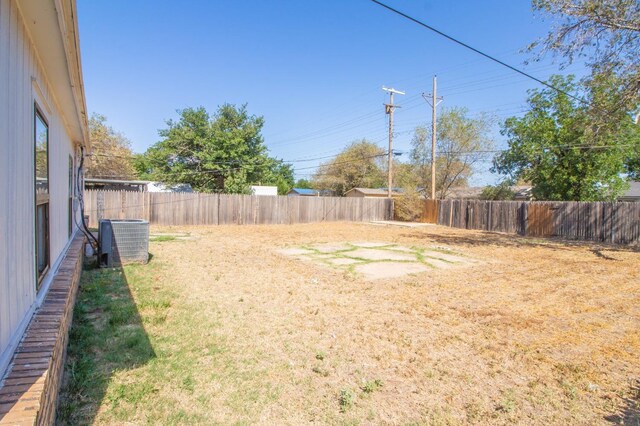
220, 209
617, 223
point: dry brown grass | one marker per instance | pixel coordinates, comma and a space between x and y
538, 332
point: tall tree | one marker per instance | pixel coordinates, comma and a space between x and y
555, 147
500, 191
604, 32
303, 184
633, 167
359, 165
220, 153
461, 143
278, 174
111, 155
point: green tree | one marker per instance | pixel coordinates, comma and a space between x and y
279, 174
142, 165
405, 176
555, 147
500, 191
359, 165
220, 153
604, 32
461, 143
303, 184
633, 168
111, 155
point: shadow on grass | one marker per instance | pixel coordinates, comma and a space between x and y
630, 412
486, 238
107, 336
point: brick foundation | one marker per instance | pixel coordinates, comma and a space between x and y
29, 391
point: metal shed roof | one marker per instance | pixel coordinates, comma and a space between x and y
304, 191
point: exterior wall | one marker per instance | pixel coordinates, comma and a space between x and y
22, 83
362, 195
28, 395
264, 190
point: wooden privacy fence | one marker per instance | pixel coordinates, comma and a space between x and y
166, 208
594, 221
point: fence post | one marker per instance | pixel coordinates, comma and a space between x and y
99, 206
392, 207
123, 205
147, 203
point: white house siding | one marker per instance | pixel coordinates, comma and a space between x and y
23, 82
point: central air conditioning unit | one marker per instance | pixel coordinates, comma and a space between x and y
123, 241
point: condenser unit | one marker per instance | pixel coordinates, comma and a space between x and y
123, 241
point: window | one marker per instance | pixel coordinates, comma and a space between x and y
41, 150
70, 211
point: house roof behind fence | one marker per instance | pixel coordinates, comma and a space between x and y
375, 191
633, 191
304, 191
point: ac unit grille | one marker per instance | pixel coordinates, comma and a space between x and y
129, 241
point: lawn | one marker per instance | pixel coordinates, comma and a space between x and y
275, 325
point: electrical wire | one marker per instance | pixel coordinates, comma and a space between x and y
367, 158
199, 172
80, 191
504, 64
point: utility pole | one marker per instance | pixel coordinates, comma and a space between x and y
434, 102
389, 110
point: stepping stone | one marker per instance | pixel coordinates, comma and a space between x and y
373, 254
369, 245
402, 249
331, 248
321, 255
342, 261
440, 264
380, 270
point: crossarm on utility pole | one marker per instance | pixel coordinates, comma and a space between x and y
389, 110
435, 101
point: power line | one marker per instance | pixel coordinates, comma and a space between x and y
411, 102
370, 117
504, 64
340, 107
313, 133
242, 166
366, 158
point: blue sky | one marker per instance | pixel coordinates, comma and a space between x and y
313, 69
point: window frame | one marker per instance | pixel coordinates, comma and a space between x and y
72, 175
41, 199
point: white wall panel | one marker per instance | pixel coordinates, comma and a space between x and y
23, 82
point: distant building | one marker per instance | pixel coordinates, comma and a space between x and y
303, 192
327, 193
161, 187
116, 184
135, 185
264, 190
465, 193
632, 194
522, 193
372, 192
